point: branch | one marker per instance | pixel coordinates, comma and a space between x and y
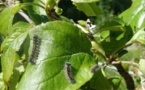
21, 12
128, 79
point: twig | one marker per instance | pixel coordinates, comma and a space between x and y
128, 79
125, 62
21, 12
119, 48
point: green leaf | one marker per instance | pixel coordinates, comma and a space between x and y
90, 9
52, 71
6, 17
1, 82
113, 36
96, 46
8, 60
116, 24
100, 82
15, 40
116, 38
141, 65
36, 13
84, 1
9, 46
21, 25
135, 15
14, 80
114, 78
134, 53
61, 44
115, 81
139, 37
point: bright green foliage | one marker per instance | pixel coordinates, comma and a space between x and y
9, 46
139, 37
93, 52
135, 16
99, 81
6, 18
64, 43
141, 65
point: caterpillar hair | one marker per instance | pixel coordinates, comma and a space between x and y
68, 72
35, 49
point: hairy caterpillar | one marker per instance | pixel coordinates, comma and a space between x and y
94, 68
35, 49
68, 72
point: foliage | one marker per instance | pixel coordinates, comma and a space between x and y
42, 48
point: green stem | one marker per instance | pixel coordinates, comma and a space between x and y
126, 62
119, 48
31, 3
98, 53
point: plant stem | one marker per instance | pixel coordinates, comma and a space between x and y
125, 62
22, 13
31, 3
128, 79
119, 48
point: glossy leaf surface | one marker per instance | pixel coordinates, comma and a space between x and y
135, 15
61, 44
9, 46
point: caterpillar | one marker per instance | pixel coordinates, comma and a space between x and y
68, 72
35, 49
94, 68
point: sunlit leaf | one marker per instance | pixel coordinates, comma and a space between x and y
61, 44
141, 65
134, 52
8, 60
2, 87
114, 78
9, 46
6, 18
139, 37
135, 15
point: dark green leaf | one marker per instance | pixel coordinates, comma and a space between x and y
90, 9
116, 36
100, 82
116, 24
37, 13
85, 1
117, 40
